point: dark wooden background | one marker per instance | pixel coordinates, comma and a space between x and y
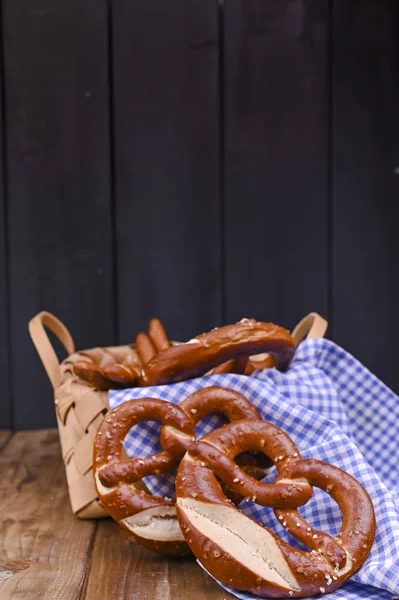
199, 163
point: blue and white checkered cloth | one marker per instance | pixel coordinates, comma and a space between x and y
335, 410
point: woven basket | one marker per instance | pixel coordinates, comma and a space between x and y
80, 409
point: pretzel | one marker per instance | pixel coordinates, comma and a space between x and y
152, 519
234, 365
245, 366
104, 378
156, 341
145, 348
127, 373
247, 556
163, 363
259, 362
208, 350
158, 335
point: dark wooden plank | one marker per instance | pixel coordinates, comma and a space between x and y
44, 549
5, 405
138, 573
166, 155
276, 155
59, 182
366, 182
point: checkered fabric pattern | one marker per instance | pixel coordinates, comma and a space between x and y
335, 410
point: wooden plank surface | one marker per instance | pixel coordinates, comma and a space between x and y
276, 157
46, 552
59, 183
366, 182
5, 405
165, 59
120, 569
44, 549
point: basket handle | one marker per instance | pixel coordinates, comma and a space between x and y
43, 344
311, 326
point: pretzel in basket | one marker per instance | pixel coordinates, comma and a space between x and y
199, 355
152, 519
127, 373
111, 377
225, 347
156, 341
247, 556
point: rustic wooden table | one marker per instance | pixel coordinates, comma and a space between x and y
46, 552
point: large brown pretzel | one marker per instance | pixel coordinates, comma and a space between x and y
223, 347
208, 350
152, 519
244, 555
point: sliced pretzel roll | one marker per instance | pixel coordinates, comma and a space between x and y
247, 556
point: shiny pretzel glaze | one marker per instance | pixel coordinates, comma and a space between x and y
244, 555
152, 519
222, 350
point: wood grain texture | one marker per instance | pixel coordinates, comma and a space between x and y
165, 58
5, 405
366, 182
46, 552
276, 156
59, 183
138, 573
44, 549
